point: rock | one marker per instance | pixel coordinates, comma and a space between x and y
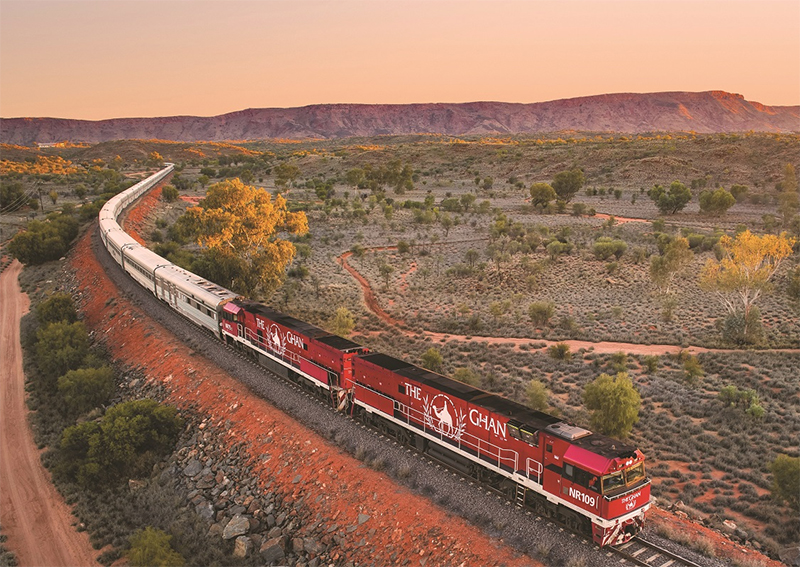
297, 479
215, 530
311, 545
242, 547
274, 532
272, 551
239, 525
135, 485
193, 468
205, 510
362, 518
206, 482
297, 545
254, 524
237, 510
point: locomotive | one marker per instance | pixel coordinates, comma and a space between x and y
594, 484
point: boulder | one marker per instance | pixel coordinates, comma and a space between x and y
242, 547
239, 525
193, 468
272, 551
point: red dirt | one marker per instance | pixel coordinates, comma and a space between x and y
34, 516
405, 523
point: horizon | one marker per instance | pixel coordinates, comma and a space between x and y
383, 104
102, 60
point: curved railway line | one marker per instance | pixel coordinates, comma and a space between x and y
636, 555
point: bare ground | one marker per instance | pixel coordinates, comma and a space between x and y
34, 516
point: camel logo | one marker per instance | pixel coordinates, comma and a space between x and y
442, 416
275, 340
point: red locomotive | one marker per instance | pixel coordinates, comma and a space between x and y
594, 484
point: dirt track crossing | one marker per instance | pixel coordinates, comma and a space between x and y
34, 516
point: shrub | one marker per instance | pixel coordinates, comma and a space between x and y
716, 203
557, 248
651, 362
605, 247
342, 323
536, 395
57, 308
86, 388
44, 241
169, 194
467, 376
151, 547
432, 360
125, 444
673, 200
559, 351
540, 313
614, 403
60, 347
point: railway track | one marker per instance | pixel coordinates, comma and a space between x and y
642, 552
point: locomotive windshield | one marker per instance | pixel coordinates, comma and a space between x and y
627, 477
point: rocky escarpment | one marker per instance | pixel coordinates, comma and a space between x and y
704, 112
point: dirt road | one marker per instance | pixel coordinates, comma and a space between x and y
35, 518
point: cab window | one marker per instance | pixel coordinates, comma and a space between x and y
612, 481
634, 474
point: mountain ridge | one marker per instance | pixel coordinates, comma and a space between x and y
701, 112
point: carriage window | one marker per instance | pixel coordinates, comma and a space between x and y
569, 470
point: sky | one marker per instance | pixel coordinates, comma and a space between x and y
117, 58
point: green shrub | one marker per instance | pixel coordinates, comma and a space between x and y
540, 312
614, 403
151, 547
59, 307
124, 444
536, 395
60, 347
169, 194
559, 351
86, 388
605, 247
44, 241
467, 376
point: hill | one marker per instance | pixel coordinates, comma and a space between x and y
705, 112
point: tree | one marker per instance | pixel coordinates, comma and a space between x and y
285, 173
342, 323
467, 376
60, 347
716, 203
692, 370
471, 256
155, 159
536, 395
169, 193
447, 223
151, 547
675, 258
542, 194
432, 360
55, 309
744, 272
386, 271
672, 201
86, 388
540, 312
53, 196
614, 403
786, 480
239, 225
44, 241
567, 183
12, 196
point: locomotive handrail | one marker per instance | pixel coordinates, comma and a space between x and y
537, 469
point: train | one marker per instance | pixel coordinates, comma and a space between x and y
593, 484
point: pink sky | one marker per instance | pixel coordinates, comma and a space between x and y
108, 58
